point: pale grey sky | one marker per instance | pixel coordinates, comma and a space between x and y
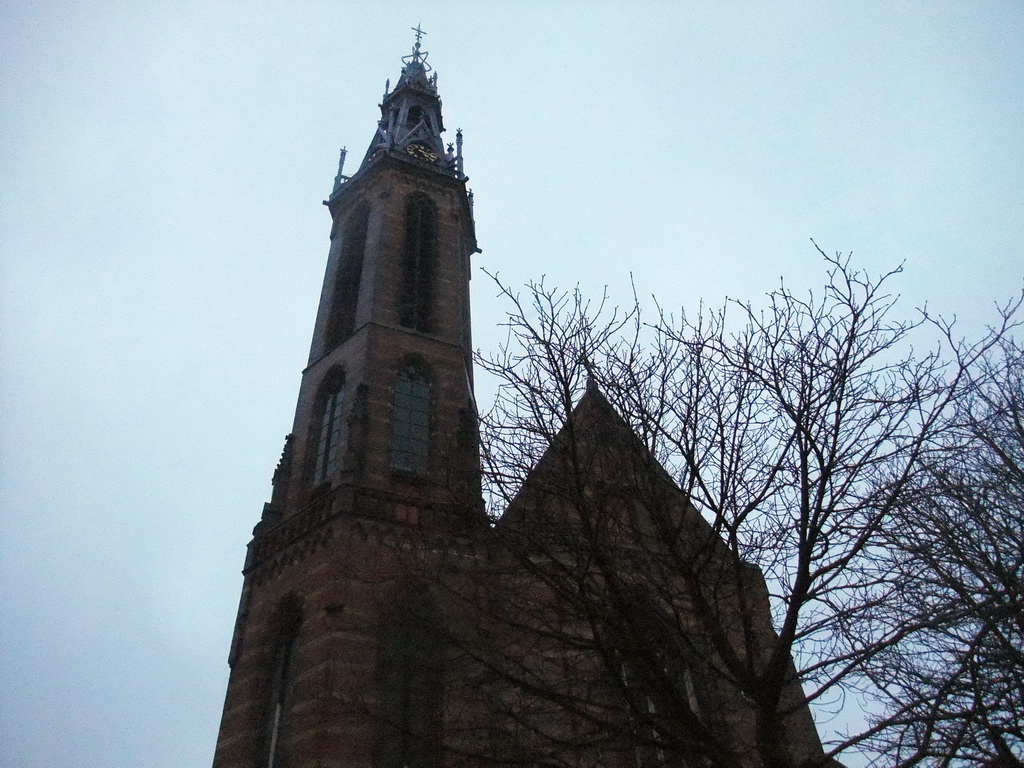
163, 242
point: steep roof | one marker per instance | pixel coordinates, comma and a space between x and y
597, 465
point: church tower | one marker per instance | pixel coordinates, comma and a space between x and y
331, 659
384, 623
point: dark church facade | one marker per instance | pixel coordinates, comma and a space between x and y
381, 624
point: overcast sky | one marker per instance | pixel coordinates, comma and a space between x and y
162, 167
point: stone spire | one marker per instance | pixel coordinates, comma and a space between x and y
410, 124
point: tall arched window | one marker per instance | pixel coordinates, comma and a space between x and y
411, 681
280, 700
329, 431
283, 631
418, 257
345, 299
410, 421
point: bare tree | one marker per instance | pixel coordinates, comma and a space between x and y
692, 520
956, 689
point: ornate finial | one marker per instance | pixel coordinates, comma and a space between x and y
340, 179
417, 57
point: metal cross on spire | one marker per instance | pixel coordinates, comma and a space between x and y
417, 56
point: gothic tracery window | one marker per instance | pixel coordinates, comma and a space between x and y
329, 431
410, 421
345, 299
418, 263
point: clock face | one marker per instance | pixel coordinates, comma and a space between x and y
422, 151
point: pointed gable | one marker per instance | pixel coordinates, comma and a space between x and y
602, 524
597, 473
